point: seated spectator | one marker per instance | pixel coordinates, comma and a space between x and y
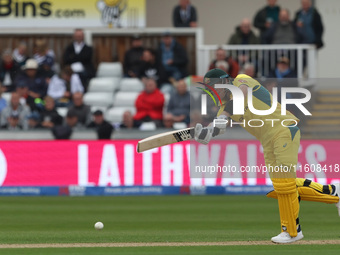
79, 56
184, 15
168, 120
149, 68
285, 77
44, 57
243, 34
65, 131
283, 70
15, 109
128, 121
8, 70
309, 24
133, 57
36, 83
13, 122
149, 104
103, 128
265, 17
283, 31
62, 87
20, 54
249, 69
34, 121
49, 116
173, 57
179, 103
222, 61
82, 111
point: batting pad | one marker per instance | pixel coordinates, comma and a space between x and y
309, 194
287, 195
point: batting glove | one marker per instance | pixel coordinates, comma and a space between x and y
221, 123
203, 135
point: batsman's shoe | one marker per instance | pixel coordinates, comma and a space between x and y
337, 194
284, 237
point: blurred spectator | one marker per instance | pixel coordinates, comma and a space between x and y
179, 103
244, 34
22, 91
34, 121
149, 104
13, 110
309, 24
283, 70
44, 57
8, 70
249, 69
13, 122
133, 57
285, 77
225, 63
173, 57
103, 128
62, 87
79, 56
3, 102
184, 15
20, 54
49, 116
65, 131
128, 121
265, 17
35, 83
82, 111
150, 68
283, 31
168, 120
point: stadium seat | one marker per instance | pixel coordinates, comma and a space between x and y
103, 99
104, 84
126, 99
148, 126
62, 111
115, 114
180, 125
110, 69
131, 84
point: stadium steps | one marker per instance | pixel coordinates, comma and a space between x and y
325, 119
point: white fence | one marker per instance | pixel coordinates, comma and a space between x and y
263, 57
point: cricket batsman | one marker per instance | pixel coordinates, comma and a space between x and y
280, 148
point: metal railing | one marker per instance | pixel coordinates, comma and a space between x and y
263, 57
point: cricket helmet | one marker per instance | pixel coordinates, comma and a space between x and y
214, 76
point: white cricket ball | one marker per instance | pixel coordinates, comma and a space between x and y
99, 225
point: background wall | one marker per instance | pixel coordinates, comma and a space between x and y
220, 17
328, 56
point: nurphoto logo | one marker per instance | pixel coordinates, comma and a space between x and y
239, 104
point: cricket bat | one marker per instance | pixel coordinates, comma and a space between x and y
165, 139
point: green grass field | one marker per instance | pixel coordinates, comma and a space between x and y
44, 220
